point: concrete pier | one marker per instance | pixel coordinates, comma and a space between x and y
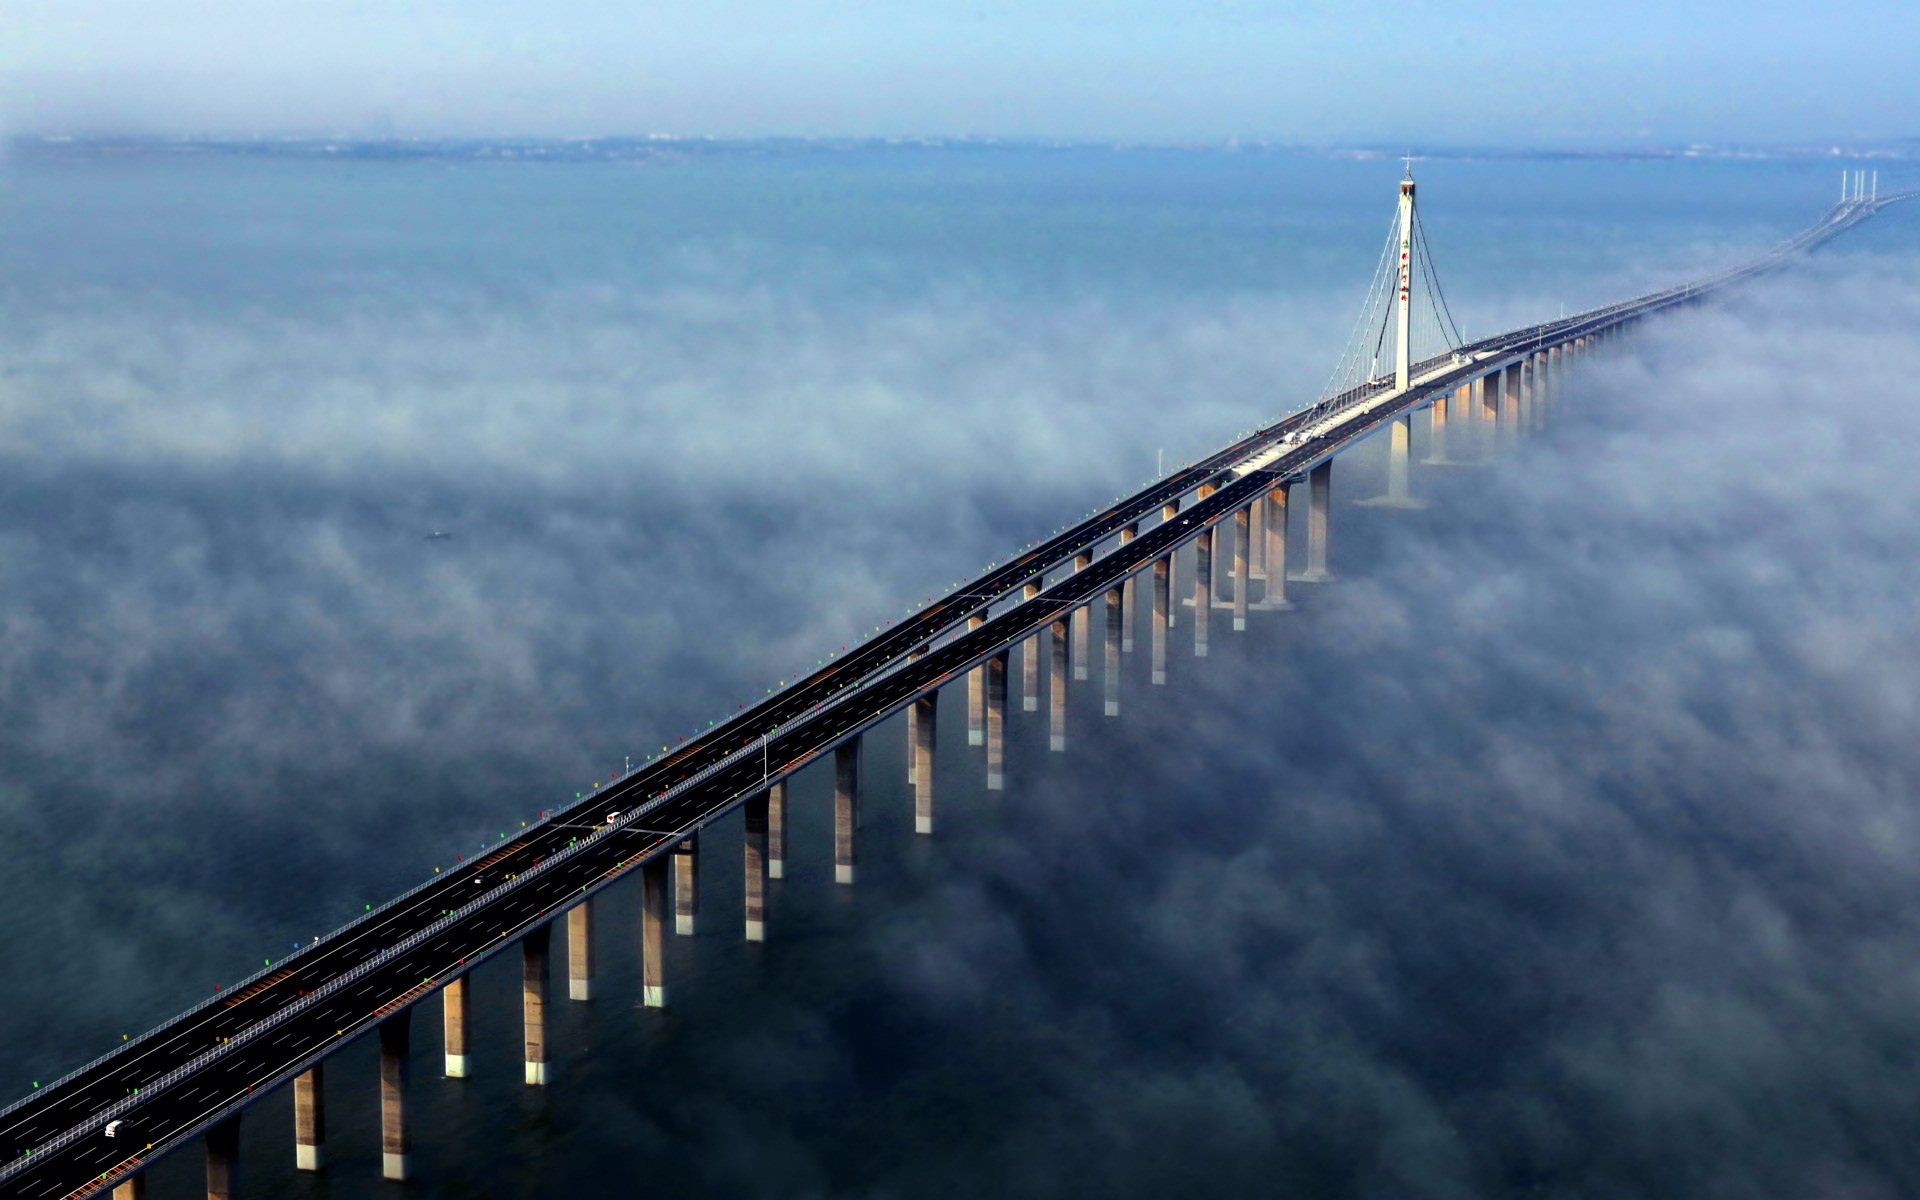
927, 731
1242, 565
686, 885
777, 830
1542, 389
1202, 589
133, 1187
1162, 615
223, 1159
453, 1025
396, 1045
310, 1118
1116, 610
1487, 390
753, 866
1506, 406
997, 667
913, 728
1030, 662
1057, 688
1523, 370
580, 951
1274, 593
846, 807
1437, 424
976, 696
1399, 448
653, 931
534, 950
1169, 512
1319, 503
1082, 619
1126, 594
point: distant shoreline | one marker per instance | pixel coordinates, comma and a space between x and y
664, 148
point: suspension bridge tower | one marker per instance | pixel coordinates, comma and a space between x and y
1403, 356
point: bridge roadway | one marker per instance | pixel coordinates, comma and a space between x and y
216, 1058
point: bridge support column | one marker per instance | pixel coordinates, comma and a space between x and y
1030, 662
1162, 614
1169, 512
1082, 620
396, 1044
997, 721
580, 951
846, 807
1529, 384
1057, 688
653, 931
1399, 447
133, 1187
1116, 624
928, 706
1274, 596
1487, 388
1319, 502
534, 950
1202, 589
453, 1026
1510, 402
223, 1159
1127, 590
1437, 425
913, 729
753, 866
686, 885
777, 827
976, 696
310, 1118
1242, 565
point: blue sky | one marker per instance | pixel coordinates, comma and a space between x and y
1486, 71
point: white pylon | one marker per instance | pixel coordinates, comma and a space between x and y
1403, 352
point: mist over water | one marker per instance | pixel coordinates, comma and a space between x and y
1563, 847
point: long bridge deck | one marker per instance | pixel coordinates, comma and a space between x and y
179, 1079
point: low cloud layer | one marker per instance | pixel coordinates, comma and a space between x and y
1562, 848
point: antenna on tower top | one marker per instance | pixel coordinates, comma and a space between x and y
1408, 159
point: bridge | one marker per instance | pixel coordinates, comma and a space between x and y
99, 1127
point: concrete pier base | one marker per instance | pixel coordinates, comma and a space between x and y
1242, 565
535, 947
927, 730
223, 1159
453, 1026
777, 830
1057, 688
1202, 589
1082, 619
754, 866
686, 886
976, 697
997, 722
1162, 610
1319, 503
580, 951
846, 808
653, 931
396, 1047
310, 1119
133, 1187
1399, 447
1115, 610
1273, 597
1127, 591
